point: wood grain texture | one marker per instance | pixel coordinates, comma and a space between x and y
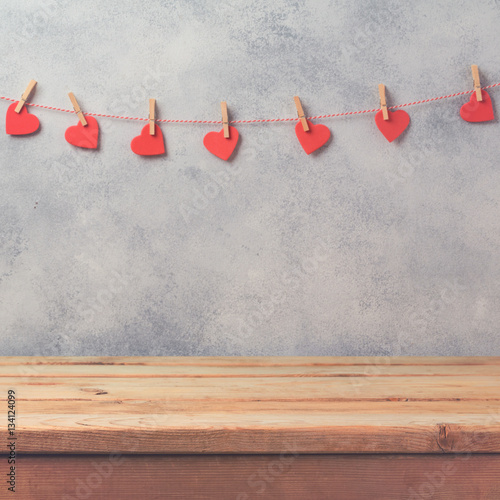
285, 476
252, 360
227, 370
251, 405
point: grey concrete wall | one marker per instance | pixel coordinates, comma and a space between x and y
365, 248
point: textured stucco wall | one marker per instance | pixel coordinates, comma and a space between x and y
365, 248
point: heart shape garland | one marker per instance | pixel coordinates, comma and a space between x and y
221, 146
147, 144
22, 123
84, 136
478, 111
312, 140
396, 124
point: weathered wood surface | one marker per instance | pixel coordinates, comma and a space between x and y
289, 476
169, 405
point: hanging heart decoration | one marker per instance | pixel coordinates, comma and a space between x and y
22, 123
478, 111
396, 124
314, 138
221, 146
147, 144
84, 136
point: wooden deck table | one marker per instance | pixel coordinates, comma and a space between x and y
242, 428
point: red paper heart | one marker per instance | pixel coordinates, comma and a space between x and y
477, 111
21, 123
394, 126
218, 145
84, 137
147, 144
312, 140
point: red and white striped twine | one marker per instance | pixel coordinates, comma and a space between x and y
265, 120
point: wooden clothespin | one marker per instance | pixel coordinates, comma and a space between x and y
77, 109
25, 96
383, 102
152, 106
477, 82
300, 113
225, 120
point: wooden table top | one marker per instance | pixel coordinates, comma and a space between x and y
255, 405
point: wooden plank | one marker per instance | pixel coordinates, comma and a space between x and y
240, 405
287, 475
248, 433
270, 421
259, 388
251, 360
195, 371
489, 409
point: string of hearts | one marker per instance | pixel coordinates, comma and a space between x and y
222, 144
